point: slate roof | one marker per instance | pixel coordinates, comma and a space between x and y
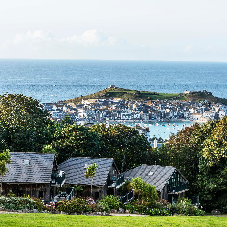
75, 167
38, 170
159, 175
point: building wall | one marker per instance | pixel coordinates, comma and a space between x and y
42, 191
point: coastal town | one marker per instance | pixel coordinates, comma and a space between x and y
118, 109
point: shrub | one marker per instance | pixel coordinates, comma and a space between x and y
102, 207
91, 203
17, 203
39, 205
76, 205
184, 206
112, 202
158, 211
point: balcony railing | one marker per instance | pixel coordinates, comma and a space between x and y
116, 182
179, 188
127, 198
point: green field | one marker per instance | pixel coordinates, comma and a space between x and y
128, 95
46, 220
134, 95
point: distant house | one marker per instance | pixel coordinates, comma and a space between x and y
33, 174
169, 182
105, 182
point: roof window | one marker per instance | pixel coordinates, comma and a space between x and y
26, 162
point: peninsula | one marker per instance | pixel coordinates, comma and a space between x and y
118, 104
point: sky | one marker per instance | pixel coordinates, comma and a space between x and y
157, 30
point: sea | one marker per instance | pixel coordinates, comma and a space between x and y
57, 80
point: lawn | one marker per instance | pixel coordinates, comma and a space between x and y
46, 220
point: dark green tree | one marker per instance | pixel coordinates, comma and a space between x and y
4, 160
76, 141
200, 153
124, 144
24, 125
212, 178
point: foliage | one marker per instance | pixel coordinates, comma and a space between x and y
4, 160
39, 204
184, 206
102, 207
17, 203
125, 188
147, 192
200, 153
147, 208
75, 141
90, 172
24, 125
48, 149
112, 202
124, 144
76, 205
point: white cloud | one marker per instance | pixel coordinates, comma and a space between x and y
90, 38
37, 36
188, 48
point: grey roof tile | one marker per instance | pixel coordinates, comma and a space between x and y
159, 178
38, 170
74, 169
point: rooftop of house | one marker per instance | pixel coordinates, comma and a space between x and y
29, 168
154, 175
75, 168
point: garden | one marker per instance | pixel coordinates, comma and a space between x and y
146, 202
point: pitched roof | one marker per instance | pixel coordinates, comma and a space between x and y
154, 175
75, 168
29, 168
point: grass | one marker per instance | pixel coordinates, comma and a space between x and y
128, 95
52, 220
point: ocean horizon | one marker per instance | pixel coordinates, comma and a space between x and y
54, 80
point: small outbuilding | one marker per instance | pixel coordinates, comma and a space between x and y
169, 182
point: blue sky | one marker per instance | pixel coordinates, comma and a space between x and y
175, 30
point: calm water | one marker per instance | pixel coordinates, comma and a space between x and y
162, 129
54, 80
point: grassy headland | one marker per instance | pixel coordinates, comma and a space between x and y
135, 95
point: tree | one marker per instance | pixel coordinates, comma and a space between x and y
76, 141
212, 177
200, 153
147, 192
124, 144
4, 159
24, 125
90, 173
138, 185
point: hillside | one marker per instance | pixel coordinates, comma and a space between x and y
135, 95
127, 94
